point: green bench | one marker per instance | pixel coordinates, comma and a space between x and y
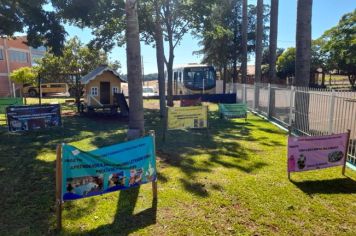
237, 110
5, 102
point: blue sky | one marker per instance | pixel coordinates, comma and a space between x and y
326, 14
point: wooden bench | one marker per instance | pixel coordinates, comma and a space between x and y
237, 110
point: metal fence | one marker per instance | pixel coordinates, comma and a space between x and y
308, 111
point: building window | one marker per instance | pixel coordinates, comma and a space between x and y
94, 91
1, 55
115, 90
16, 56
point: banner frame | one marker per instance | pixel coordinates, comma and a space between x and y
345, 155
165, 123
59, 201
347, 149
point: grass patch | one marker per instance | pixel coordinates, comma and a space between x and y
230, 180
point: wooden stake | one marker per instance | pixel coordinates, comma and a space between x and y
347, 149
154, 183
59, 187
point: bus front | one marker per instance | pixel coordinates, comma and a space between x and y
200, 79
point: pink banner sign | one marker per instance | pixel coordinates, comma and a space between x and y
316, 152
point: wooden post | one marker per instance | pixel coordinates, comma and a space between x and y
59, 187
347, 149
154, 183
289, 134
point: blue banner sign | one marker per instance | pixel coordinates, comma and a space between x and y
107, 169
32, 117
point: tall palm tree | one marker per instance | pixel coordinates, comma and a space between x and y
259, 35
303, 43
133, 54
273, 41
244, 42
302, 63
273, 52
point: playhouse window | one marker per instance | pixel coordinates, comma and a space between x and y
115, 90
94, 91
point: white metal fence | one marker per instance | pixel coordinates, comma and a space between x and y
308, 111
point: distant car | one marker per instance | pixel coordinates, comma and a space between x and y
149, 91
46, 88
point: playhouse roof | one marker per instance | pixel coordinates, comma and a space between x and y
98, 71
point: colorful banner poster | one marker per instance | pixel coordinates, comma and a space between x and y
187, 117
24, 118
108, 169
316, 152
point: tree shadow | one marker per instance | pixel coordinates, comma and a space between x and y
182, 146
27, 170
125, 221
330, 186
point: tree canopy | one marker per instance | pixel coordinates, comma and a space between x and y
222, 35
42, 27
76, 59
340, 46
24, 75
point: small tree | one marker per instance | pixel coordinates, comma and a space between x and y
24, 75
340, 45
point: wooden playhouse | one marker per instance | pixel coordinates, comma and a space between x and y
101, 88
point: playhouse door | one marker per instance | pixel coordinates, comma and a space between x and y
105, 92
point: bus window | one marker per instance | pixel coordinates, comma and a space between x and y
199, 78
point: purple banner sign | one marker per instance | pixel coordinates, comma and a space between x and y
316, 152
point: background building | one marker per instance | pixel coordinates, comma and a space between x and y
14, 54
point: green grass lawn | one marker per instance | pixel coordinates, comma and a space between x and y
230, 180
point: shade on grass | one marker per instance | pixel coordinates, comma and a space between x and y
229, 180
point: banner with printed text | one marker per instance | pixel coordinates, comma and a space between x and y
32, 117
108, 169
187, 117
316, 152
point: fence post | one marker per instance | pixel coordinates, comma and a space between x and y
291, 102
331, 111
269, 101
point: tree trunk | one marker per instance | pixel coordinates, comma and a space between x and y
302, 64
235, 41
169, 63
323, 79
133, 54
273, 41
352, 80
224, 79
160, 62
170, 78
303, 43
259, 35
258, 61
244, 42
